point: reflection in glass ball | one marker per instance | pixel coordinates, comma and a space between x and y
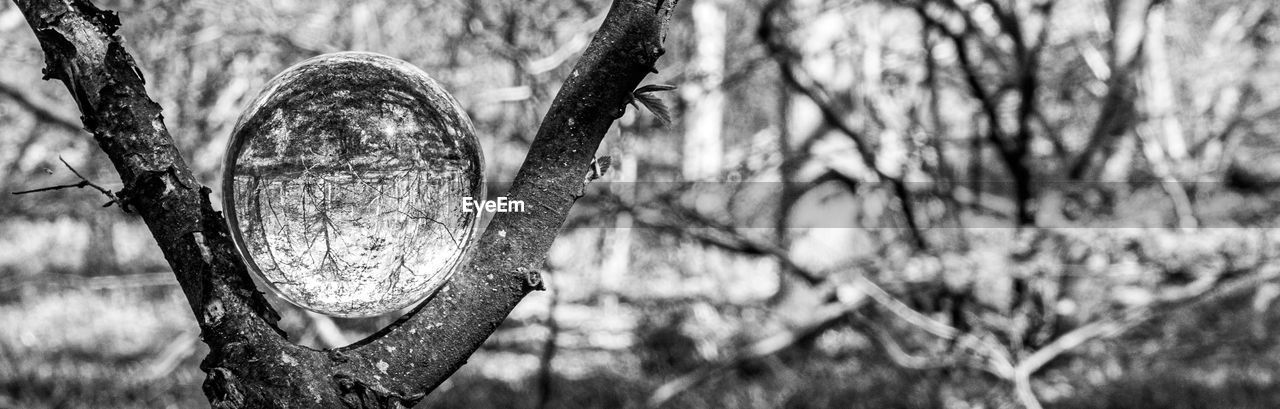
343, 184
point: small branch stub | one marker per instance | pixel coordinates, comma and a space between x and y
532, 279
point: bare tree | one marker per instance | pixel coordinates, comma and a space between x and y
251, 363
996, 67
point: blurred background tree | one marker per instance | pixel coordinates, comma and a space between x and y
895, 203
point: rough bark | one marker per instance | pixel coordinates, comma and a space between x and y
251, 363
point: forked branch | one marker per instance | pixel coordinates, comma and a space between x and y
251, 363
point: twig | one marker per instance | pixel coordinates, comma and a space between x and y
575, 45
713, 233
1158, 162
796, 78
896, 353
81, 184
1026, 62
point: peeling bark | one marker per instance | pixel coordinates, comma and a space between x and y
251, 364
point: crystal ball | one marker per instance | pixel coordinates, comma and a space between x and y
344, 181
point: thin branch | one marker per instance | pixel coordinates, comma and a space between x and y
1135, 316
971, 76
691, 224
1158, 161
1026, 65
1116, 112
999, 362
83, 183
904, 312
39, 108
799, 80
899, 355
565, 51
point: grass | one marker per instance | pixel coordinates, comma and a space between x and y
95, 349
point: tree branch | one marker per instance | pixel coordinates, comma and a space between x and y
828, 317
83, 183
796, 79
250, 363
39, 108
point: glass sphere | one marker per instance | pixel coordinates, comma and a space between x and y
344, 181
